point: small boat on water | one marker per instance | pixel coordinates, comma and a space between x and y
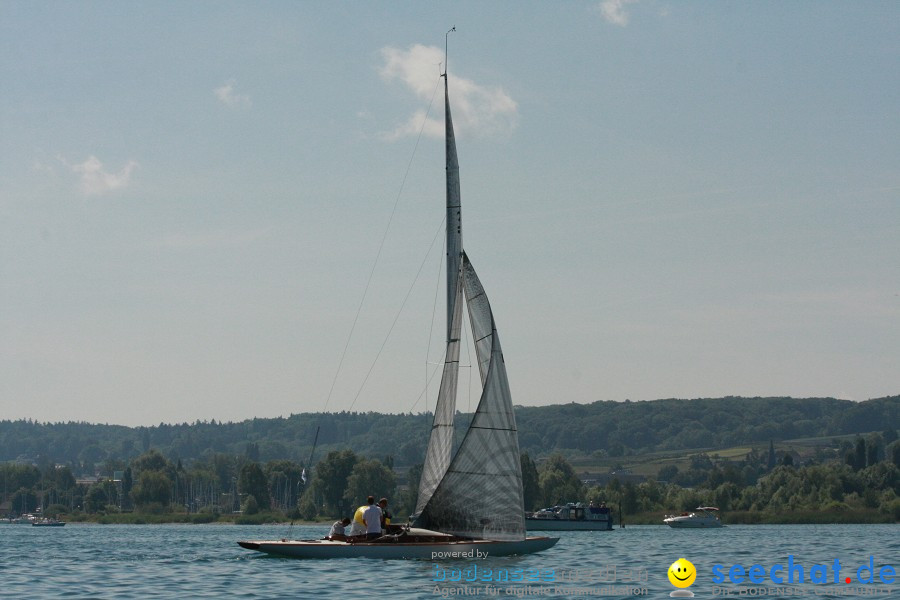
47, 522
702, 517
470, 503
571, 517
410, 543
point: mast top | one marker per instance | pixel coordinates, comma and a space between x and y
446, 37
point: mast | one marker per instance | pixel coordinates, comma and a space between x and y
440, 442
454, 207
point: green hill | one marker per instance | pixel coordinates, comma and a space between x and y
607, 429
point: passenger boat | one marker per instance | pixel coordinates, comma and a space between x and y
571, 517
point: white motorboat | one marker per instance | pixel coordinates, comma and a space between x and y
701, 517
48, 522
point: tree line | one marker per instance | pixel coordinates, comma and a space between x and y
616, 429
859, 480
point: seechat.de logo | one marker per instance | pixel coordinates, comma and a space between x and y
793, 572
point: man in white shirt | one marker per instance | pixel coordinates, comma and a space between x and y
372, 518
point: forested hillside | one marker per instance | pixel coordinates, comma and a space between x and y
612, 428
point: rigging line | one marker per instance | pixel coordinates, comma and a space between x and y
397, 316
380, 247
434, 370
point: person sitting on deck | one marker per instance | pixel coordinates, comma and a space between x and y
338, 530
385, 515
372, 518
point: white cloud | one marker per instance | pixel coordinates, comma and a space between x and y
95, 180
613, 11
229, 97
477, 108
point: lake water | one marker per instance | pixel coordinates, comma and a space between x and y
204, 561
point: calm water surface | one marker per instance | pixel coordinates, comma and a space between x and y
203, 561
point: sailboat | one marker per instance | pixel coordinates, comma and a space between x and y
470, 503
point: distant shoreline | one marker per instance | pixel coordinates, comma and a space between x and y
134, 518
853, 517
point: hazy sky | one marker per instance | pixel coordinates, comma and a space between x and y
663, 199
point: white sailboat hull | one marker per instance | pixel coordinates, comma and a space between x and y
468, 549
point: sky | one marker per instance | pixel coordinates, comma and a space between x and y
227, 210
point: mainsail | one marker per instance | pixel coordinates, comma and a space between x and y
478, 493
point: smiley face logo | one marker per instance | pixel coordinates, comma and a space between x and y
682, 573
